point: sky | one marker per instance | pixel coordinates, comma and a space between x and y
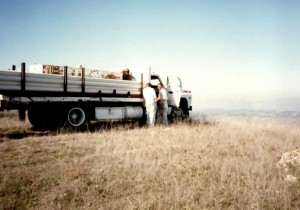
223, 50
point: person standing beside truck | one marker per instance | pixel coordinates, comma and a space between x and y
162, 111
150, 103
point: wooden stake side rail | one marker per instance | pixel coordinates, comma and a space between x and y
18, 84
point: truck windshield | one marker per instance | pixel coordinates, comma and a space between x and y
155, 81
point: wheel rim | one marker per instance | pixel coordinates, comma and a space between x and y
177, 114
76, 117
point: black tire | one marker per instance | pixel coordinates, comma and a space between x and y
44, 117
22, 113
176, 115
36, 118
184, 107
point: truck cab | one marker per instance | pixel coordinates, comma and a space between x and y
179, 100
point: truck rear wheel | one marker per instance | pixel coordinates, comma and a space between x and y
36, 118
44, 117
77, 117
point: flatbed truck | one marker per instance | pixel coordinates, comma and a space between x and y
55, 95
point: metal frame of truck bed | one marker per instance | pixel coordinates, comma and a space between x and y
25, 87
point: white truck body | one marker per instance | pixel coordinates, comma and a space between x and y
53, 94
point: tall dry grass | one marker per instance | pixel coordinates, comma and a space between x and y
230, 164
9, 121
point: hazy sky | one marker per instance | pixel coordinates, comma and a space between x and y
222, 49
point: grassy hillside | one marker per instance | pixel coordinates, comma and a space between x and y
223, 165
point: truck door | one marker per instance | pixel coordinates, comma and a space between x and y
175, 89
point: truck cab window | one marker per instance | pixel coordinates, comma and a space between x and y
154, 82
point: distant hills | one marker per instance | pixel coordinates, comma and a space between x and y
283, 108
292, 115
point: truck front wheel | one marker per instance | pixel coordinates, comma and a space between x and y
76, 117
176, 115
184, 107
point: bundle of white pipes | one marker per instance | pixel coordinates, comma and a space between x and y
11, 80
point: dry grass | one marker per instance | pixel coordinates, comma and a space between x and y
227, 165
9, 121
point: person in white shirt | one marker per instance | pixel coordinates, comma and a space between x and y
162, 111
150, 103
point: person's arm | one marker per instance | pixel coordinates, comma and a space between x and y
154, 95
159, 96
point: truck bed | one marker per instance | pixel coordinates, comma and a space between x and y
22, 84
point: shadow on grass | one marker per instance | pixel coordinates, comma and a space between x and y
20, 133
